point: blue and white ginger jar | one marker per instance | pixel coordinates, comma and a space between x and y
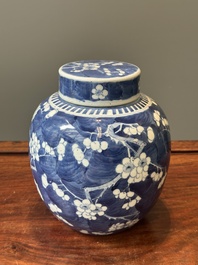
99, 149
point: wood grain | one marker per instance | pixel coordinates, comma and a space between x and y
184, 146
13, 147
30, 234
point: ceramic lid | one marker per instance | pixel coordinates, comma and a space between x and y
99, 83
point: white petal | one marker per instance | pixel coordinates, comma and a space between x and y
86, 216
119, 168
125, 206
54, 186
122, 195
138, 198
132, 203
104, 208
138, 178
105, 92
59, 192
148, 160
136, 162
104, 145
143, 156
61, 149
80, 210
130, 180
95, 96
133, 172
100, 213
125, 175
116, 192
133, 131
101, 96
86, 202
78, 154
146, 168
140, 129
44, 180
99, 87
130, 194
95, 145
85, 162
160, 174
47, 148
126, 160
139, 170
127, 131
150, 134
77, 202
66, 198
87, 142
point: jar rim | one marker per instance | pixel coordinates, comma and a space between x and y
74, 71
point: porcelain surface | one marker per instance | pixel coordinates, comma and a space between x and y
98, 164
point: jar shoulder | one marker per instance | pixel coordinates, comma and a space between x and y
148, 122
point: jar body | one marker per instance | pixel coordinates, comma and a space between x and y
99, 169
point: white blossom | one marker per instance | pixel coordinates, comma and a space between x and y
61, 149
123, 195
34, 146
131, 203
95, 145
157, 117
60, 192
157, 176
120, 226
117, 226
80, 67
48, 149
150, 134
89, 210
132, 222
133, 130
87, 142
125, 169
164, 122
107, 71
140, 168
79, 155
99, 92
135, 170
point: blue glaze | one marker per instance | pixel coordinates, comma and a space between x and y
99, 170
98, 81
83, 90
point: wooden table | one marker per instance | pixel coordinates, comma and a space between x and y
30, 234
